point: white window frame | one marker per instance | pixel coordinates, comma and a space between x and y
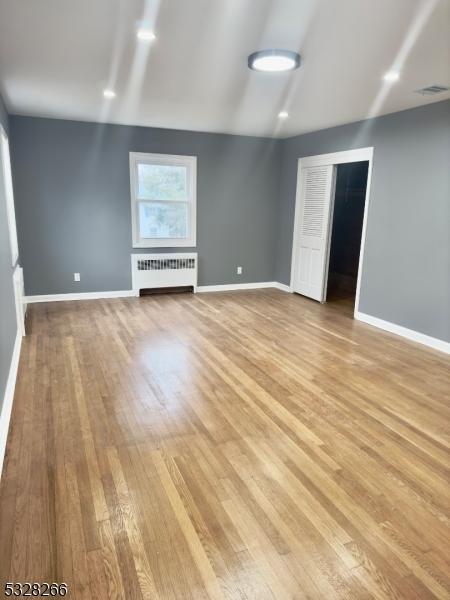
5, 165
190, 162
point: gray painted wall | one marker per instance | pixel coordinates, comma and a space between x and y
73, 207
8, 323
406, 275
71, 182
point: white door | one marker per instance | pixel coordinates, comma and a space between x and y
314, 207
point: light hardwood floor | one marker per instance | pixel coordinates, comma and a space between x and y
234, 445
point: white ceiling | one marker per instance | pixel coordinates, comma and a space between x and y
57, 56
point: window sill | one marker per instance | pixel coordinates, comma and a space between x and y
191, 243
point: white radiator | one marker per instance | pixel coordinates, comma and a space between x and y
163, 270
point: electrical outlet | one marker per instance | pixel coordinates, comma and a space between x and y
239, 270
76, 277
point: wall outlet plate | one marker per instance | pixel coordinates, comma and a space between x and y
76, 277
239, 270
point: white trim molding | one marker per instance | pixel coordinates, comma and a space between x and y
5, 165
282, 287
410, 334
338, 158
232, 287
81, 296
21, 307
8, 398
228, 287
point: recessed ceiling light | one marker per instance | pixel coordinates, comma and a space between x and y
145, 35
274, 60
392, 76
283, 114
109, 94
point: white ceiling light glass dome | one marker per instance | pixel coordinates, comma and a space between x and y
274, 61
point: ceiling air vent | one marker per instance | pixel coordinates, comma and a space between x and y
433, 89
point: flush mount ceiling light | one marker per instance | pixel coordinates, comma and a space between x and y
274, 60
283, 114
392, 76
109, 94
145, 35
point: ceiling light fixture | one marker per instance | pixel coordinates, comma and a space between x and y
109, 94
145, 35
283, 114
392, 76
274, 60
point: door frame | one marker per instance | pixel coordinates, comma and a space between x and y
334, 158
9, 195
16, 270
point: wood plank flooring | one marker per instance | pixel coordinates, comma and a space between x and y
244, 445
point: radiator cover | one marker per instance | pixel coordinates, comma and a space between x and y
176, 269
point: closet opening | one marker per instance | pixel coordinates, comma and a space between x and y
346, 233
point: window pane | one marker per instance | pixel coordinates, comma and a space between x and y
163, 220
162, 182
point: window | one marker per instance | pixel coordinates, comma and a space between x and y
163, 200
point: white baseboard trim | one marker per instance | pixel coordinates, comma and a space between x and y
8, 398
128, 293
283, 287
230, 287
81, 296
410, 334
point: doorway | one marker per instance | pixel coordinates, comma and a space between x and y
328, 252
346, 231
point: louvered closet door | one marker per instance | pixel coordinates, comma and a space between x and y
313, 233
